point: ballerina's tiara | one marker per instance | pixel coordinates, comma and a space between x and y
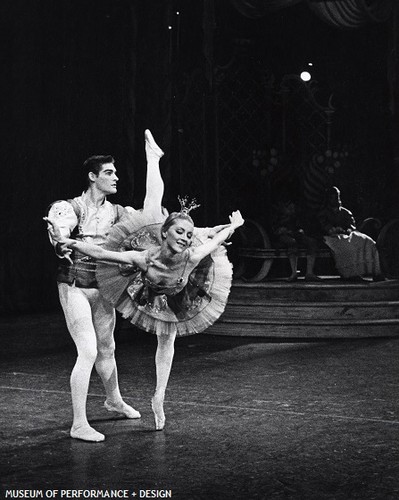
186, 206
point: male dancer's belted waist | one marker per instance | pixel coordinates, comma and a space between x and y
82, 273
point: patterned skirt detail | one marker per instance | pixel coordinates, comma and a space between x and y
192, 310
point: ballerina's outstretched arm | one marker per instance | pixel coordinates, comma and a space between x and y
201, 251
132, 257
204, 233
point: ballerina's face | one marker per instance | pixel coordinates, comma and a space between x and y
178, 236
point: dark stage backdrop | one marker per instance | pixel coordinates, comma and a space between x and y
79, 77
83, 77
235, 114
352, 68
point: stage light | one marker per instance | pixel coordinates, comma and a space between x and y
306, 76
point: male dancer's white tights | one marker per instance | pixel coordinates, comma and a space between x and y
90, 320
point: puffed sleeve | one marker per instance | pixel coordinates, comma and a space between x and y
65, 217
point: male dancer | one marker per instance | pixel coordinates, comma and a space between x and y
90, 318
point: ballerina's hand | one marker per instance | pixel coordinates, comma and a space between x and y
236, 219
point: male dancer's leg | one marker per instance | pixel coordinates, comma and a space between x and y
104, 324
77, 311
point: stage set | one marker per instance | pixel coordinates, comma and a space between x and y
261, 106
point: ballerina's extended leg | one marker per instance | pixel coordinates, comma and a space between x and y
154, 182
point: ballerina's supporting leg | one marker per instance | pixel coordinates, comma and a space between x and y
163, 364
154, 182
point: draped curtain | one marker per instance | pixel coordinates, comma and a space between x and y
339, 13
258, 8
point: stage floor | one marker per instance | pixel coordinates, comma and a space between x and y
246, 419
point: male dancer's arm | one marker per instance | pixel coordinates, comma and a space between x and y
131, 257
66, 219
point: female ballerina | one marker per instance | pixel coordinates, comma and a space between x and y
170, 279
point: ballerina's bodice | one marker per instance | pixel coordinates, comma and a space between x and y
168, 281
161, 280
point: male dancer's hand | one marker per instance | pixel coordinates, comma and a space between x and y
62, 242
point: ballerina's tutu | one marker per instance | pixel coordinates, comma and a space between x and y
186, 310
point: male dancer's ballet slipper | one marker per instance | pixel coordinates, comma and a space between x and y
159, 415
122, 408
151, 146
86, 433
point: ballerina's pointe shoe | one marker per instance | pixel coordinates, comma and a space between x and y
159, 415
122, 408
151, 147
86, 433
